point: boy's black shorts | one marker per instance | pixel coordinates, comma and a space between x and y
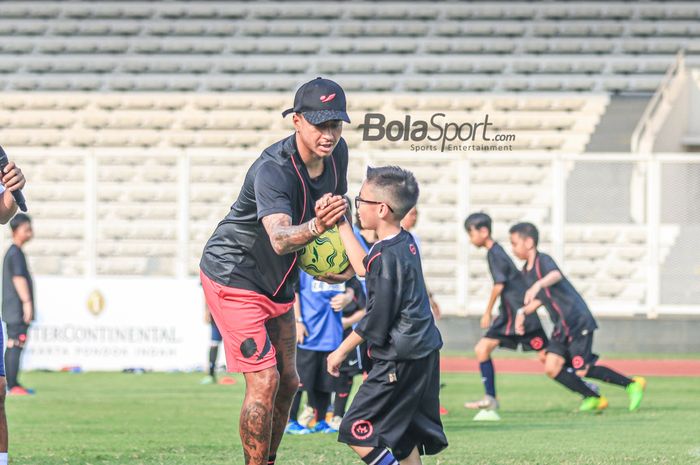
17, 331
313, 371
577, 350
503, 329
534, 340
398, 406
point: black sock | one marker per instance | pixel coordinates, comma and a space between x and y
323, 401
574, 383
213, 354
604, 373
380, 456
296, 402
12, 357
488, 377
311, 399
271, 459
341, 397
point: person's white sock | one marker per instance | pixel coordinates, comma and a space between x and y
3, 458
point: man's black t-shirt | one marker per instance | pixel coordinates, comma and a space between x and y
239, 253
566, 307
503, 271
14, 264
399, 324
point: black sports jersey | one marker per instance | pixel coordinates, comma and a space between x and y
503, 271
14, 264
239, 253
399, 324
566, 307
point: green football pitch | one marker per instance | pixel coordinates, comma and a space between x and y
169, 419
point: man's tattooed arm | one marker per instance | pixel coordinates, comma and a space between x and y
285, 237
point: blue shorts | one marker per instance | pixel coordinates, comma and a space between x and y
215, 333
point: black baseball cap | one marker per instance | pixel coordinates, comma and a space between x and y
320, 100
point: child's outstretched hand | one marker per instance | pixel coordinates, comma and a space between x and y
485, 321
520, 323
531, 294
337, 278
340, 301
335, 359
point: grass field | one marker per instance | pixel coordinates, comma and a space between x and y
114, 418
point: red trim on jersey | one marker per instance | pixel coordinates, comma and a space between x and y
371, 260
335, 172
510, 317
549, 296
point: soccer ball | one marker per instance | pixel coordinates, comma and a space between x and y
325, 254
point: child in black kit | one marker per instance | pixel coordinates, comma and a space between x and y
398, 406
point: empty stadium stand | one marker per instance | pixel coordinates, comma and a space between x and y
371, 46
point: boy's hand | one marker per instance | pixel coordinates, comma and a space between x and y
437, 313
301, 332
520, 323
531, 293
27, 312
341, 300
337, 278
485, 321
335, 359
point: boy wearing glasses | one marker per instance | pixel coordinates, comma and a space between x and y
398, 406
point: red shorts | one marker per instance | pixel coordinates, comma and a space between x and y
240, 316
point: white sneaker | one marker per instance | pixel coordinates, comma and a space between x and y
306, 416
335, 422
487, 403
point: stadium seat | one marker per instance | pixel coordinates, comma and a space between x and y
583, 270
621, 271
438, 268
601, 235
609, 290
478, 269
484, 197
136, 11
574, 30
60, 229
631, 254
25, 46
636, 236
122, 266
209, 193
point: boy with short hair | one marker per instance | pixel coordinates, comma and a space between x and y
398, 405
18, 310
570, 346
509, 285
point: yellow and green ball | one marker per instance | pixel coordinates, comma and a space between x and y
325, 254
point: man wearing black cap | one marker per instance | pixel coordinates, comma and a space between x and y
291, 194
